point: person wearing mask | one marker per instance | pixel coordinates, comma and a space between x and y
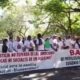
40, 42
4, 46
29, 44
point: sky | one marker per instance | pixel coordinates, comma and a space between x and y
23, 2
19, 3
1, 12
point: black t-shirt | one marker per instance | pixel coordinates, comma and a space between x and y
4, 48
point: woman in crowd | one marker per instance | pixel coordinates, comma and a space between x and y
47, 45
29, 44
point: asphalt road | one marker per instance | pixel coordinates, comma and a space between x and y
61, 74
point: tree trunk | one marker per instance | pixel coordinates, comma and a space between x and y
46, 29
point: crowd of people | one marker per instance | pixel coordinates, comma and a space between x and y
53, 43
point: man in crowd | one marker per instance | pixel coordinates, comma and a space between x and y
10, 44
18, 45
40, 42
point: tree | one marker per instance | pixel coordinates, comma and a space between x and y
62, 16
4, 3
47, 16
13, 23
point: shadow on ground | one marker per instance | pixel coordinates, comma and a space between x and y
52, 74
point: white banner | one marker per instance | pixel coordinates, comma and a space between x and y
20, 62
36, 60
67, 58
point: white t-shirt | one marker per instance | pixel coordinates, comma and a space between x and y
18, 46
28, 44
60, 44
40, 47
10, 46
54, 43
77, 46
69, 42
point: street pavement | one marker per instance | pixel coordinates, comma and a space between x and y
59, 74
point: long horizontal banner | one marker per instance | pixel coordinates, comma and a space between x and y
36, 60
20, 62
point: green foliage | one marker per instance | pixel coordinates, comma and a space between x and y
54, 6
48, 17
61, 18
4, 3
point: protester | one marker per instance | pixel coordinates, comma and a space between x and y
67, 42
23, 40
54, 43
29, 44
40, 42
18, 45
60, 43
72, 42
4, 46
34, 40
10, 44
77, 43
47, 45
